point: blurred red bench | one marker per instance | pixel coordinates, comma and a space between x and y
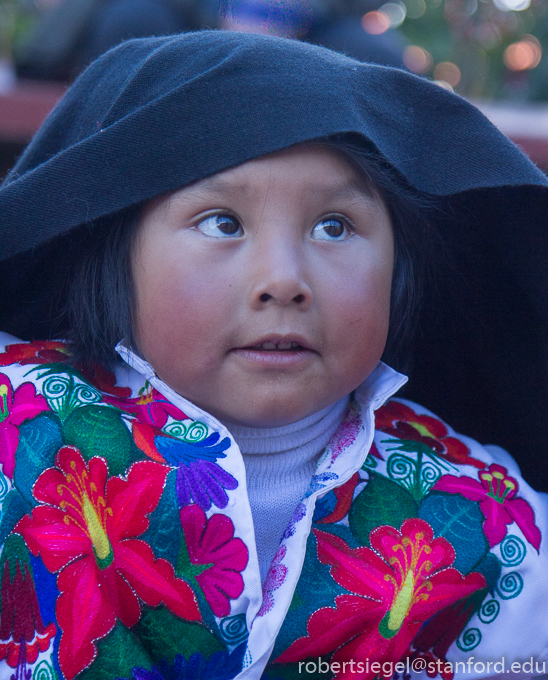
24, 107
526, 125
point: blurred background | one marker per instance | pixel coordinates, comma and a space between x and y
494, 52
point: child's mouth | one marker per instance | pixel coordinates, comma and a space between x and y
277, 352
291, 346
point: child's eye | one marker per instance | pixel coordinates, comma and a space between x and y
220, 226
331, 229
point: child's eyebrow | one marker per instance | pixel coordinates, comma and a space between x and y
221, 186
345, 191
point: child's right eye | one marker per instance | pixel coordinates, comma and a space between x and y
220, 226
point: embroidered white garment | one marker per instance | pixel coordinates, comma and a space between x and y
410, 543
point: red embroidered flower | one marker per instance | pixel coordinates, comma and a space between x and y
220, 556
22, 632
86, 531
402, 422
151, 410
36, 352
15, 407
496, 492
396, 589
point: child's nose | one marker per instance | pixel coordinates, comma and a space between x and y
280, 278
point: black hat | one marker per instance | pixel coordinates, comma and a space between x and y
154, 114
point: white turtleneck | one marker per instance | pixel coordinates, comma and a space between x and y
280, 463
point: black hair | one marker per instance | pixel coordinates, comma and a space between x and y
101, 303
100, 307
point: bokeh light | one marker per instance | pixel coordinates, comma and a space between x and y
448, 72
523, 55
444, 84
395, 11
417, 59
376, 22
512, 5
415, 8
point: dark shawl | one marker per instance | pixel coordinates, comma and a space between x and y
157, 113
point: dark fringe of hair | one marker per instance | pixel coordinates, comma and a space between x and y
100, 308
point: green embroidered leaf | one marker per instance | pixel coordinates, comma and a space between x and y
165, 635
13, 508
296, 601
164, 534
117, 655
382, 502
39, 441
16, 554
100, 431
491, 569
460, 521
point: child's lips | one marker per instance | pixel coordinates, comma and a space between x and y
278, 343
277, 351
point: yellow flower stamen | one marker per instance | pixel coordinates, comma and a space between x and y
96, 531
3, 402
421, 429
402, 604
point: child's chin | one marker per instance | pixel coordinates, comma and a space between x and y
271, 415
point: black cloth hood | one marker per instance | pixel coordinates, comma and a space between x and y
155, 114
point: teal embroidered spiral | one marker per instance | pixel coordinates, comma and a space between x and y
469, 640
510, 585
489, 611
512, 551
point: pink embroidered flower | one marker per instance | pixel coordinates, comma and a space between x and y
15, 408
274, 579
216, 557
496, 493
346, 433
86, 529
395, 588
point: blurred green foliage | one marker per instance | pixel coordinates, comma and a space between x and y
16, 18
474, 34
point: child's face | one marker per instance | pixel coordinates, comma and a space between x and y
263, 291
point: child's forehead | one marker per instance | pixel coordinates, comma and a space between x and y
321, 168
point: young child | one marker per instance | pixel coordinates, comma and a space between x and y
205, 251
